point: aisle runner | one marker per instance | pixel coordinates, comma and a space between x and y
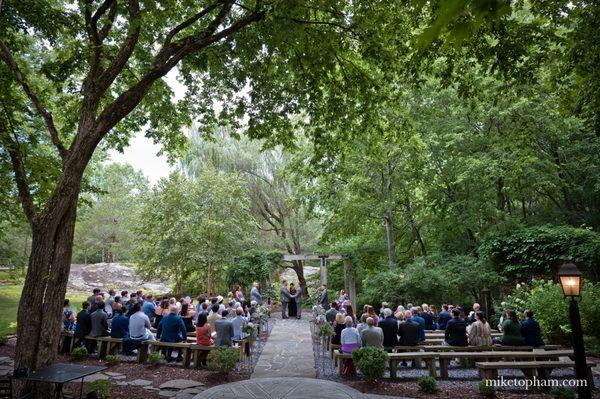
288, 351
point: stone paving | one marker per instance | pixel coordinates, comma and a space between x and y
288, 351
281, 388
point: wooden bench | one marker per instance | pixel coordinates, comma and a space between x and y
158, 345
106, 344
541, 369
393, 359
445, 357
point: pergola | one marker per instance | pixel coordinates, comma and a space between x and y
349, 276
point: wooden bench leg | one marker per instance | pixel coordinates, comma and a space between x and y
102, 350
340, 367
489, 374
444, 368
186, 357
431, 367
393, 368
590, 377
142, 353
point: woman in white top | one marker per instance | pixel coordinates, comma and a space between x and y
350, 341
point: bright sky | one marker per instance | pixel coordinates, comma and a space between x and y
142, 152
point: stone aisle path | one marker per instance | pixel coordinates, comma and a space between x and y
288, 351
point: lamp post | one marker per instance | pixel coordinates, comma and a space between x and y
571, 281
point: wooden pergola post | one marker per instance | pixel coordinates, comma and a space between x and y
323, 269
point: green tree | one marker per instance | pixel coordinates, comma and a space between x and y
104, 228
191, 230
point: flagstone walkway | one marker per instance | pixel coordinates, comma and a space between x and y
288, 351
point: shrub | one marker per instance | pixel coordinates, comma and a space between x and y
486, 388
3, 339
102, 387
79, 353
223, 360
562, 393
370, 362
551, 310
112, 360
155, 358
428, 384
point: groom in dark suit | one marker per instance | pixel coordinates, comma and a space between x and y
285, 298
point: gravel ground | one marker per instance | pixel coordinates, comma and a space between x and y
463, 382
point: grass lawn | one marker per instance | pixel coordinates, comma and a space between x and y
9, 302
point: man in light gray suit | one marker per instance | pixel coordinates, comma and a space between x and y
255, 294
323, 297
372, 336
224, 330
285, 298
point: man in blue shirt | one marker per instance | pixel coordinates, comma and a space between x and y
444, 317
148, 307
417, 318
119, 328
530, 330
172, 329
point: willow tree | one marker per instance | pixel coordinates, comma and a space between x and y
79, 75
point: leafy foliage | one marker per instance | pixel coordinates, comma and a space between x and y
534, 251
371, 362
551, 309
223, 360
190, 230
102, 387
254, 265
486, 388
155, 358
79, 353
432, 279
563, 393
427, 384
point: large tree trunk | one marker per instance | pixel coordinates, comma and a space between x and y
40, 306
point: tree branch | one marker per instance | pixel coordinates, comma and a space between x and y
42, 111
189, 22
18, 167
166, 60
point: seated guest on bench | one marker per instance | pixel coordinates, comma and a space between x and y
99, 324
172, 329
148, 307
416, 317
511, 330
139, 325
203, 331
530, 330
83, 326
187, 314
456, 330
389, 325
444, 317
332, 312
350, 340
224, 329
480, 332
372, 335
428, 317
238, 323
409, 330
120, 329
338, 326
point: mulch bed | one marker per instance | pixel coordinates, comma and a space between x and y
459, 390
133, 371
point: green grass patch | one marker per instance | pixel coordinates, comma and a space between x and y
9, 303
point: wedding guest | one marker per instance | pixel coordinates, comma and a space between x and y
428, 317
83, 326
224, 330
456, 330
409, 330
332, 312
371, 335
255, 293
480, 332
530, 330
389, 325
416, 317
444, 317
172, 329
338, 326
187, 314
511, 330
350, 340
203, 338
